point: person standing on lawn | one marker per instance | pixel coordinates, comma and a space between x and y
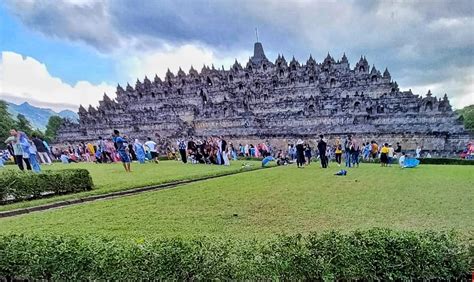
223, 151
29, 151
338, 151
182, 150
131, 149
307, 154
418, 152
322, 146
19, 154
347, 151
100, 154
42, 151
384, 155
122, 150
152, 147
398, 150
33, 151
139, 151
374, 149
300, 154
355, 152
390, 154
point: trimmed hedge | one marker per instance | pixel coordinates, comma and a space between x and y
18, 185
446, 161
434, 161
376, 254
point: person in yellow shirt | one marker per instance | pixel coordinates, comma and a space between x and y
338, 150
384, 155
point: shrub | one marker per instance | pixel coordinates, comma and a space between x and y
18, 185
434, 161
446, 161
377, 254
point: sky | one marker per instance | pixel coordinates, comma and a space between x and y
59, 54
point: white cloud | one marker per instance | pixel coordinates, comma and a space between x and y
173, 57
26, 79
459, 88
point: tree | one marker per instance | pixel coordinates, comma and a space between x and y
38, 133
467, 115
6, 123
52, 127
22, 124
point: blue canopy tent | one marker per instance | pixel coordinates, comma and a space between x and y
410, 163
266, 160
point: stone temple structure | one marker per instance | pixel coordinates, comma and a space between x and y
277, 102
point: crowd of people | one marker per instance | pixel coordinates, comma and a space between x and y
26, 152
349, 150
29, 152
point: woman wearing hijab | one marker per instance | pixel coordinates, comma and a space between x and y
139, 151
300, 154
91, 151
32, 157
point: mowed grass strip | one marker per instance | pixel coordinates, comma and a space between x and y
112, 177
283, 200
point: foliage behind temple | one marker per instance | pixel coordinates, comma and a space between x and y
467, 114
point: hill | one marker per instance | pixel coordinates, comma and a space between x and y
38, 116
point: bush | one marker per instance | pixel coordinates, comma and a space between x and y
446, 161
249, 159
18, 185
434, 161
377, 254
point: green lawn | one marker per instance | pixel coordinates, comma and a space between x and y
112, 177
273, 201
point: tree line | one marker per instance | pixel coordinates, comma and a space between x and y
7, 122
467, 116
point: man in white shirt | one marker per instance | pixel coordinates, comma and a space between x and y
152, 147
391, 153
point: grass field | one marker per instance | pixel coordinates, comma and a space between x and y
280, 200
112, 177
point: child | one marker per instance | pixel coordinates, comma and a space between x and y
401, 160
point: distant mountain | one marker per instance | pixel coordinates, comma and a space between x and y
39, 116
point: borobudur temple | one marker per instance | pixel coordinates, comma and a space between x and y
276, 102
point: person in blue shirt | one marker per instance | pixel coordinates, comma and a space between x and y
122, 149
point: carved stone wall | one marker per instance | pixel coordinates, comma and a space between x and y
277, 101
